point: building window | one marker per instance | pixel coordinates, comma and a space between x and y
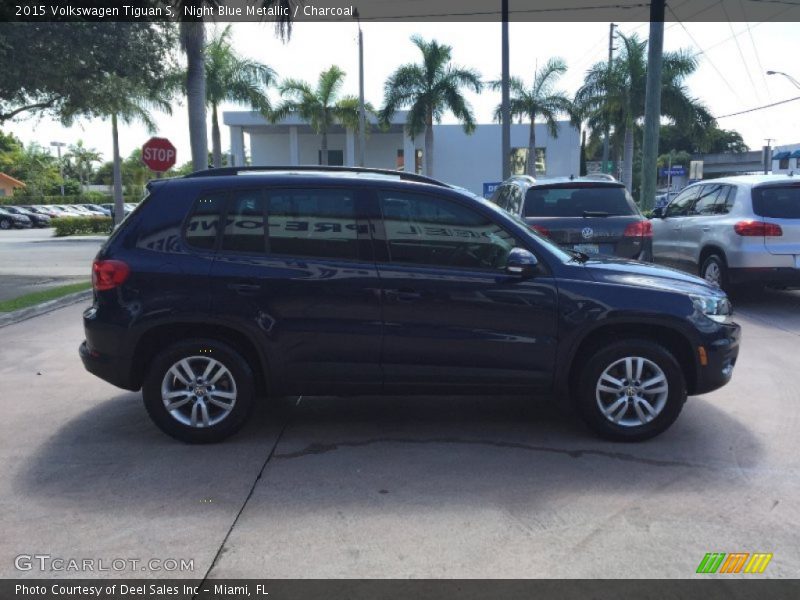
783, 163
400, 164
519, 161
418, 162
335, 157
2, 192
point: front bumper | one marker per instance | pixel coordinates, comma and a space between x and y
721, 352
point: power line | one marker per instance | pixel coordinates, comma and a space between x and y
749, 110
741, 54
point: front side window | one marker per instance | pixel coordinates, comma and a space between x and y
314, 223
682, 203
428, 231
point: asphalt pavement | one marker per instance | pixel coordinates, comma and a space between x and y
33, 260
424, 487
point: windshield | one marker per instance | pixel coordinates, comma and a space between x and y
579, 200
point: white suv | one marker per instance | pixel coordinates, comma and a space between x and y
733, 230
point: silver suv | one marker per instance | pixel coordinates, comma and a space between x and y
733, 230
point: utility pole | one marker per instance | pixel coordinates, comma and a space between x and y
604, 168
766, 157
362, 117
505, 113
60, 145
652, 105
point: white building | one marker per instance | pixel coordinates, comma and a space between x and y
786, 159
469, 161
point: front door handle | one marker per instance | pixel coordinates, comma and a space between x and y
245, 289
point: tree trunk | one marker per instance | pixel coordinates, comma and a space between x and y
428, 145
119, 207
194, 40
531, 167
627, 159
216, 141
323, 158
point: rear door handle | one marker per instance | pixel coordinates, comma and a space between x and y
245, 289
403, 295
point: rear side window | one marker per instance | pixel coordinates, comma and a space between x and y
777, 202
577, 201
317, 223
244, 223
203, 224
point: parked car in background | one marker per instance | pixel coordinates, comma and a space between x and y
110, 208
38, 220
594, 216
9, 220
96, 208
733, 230
223, 288
43, 209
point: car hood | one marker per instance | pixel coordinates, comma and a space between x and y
630, 272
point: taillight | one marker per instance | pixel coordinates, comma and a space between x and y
541, 229
639, 229
757, 228
108, 274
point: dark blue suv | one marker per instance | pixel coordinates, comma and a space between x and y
233, 284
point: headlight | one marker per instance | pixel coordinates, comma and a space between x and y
716, 308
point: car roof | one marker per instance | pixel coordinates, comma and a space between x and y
583, 181
751, 180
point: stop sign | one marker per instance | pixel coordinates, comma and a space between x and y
158, 154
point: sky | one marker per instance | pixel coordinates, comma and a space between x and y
733, 58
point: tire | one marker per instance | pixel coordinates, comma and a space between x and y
715, 271
5, 224
626, 423
185, 421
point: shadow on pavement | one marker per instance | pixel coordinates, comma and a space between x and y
342, 450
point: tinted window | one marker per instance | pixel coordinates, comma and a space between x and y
708, 198
500, 197
777, 202
203, 225
317, 223
682, 203
574, 201
244, 222
424, 230
515, 199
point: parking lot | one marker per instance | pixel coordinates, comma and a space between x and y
32, 260
399, 487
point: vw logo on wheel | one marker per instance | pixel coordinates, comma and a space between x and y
587, 233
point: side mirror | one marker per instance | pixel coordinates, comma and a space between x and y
658, 213
521, 263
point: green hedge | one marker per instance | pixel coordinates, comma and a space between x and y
82, 225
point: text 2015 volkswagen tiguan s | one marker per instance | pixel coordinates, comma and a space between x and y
233, 284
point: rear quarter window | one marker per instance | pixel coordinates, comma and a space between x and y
568, 201
777, 202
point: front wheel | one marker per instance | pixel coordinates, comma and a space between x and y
631, 391
199, 391
5, 224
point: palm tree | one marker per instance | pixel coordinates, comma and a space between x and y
540, 100
232, 78
82, 159
320, 106
193, 42
428, 89
618, 94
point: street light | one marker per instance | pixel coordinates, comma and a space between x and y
60, 145
789, 77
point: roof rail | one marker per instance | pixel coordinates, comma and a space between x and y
222, 171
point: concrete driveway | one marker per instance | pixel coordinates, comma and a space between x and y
399, 487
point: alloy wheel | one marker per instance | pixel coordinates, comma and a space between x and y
198, 391
632, 391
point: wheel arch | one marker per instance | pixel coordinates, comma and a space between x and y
160, 336
678, 344
707, 251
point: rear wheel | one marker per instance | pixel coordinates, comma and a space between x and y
5, 224
714, 270
631, 391
199, 391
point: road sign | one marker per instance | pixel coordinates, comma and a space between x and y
675, 171
158, 154
489, 188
